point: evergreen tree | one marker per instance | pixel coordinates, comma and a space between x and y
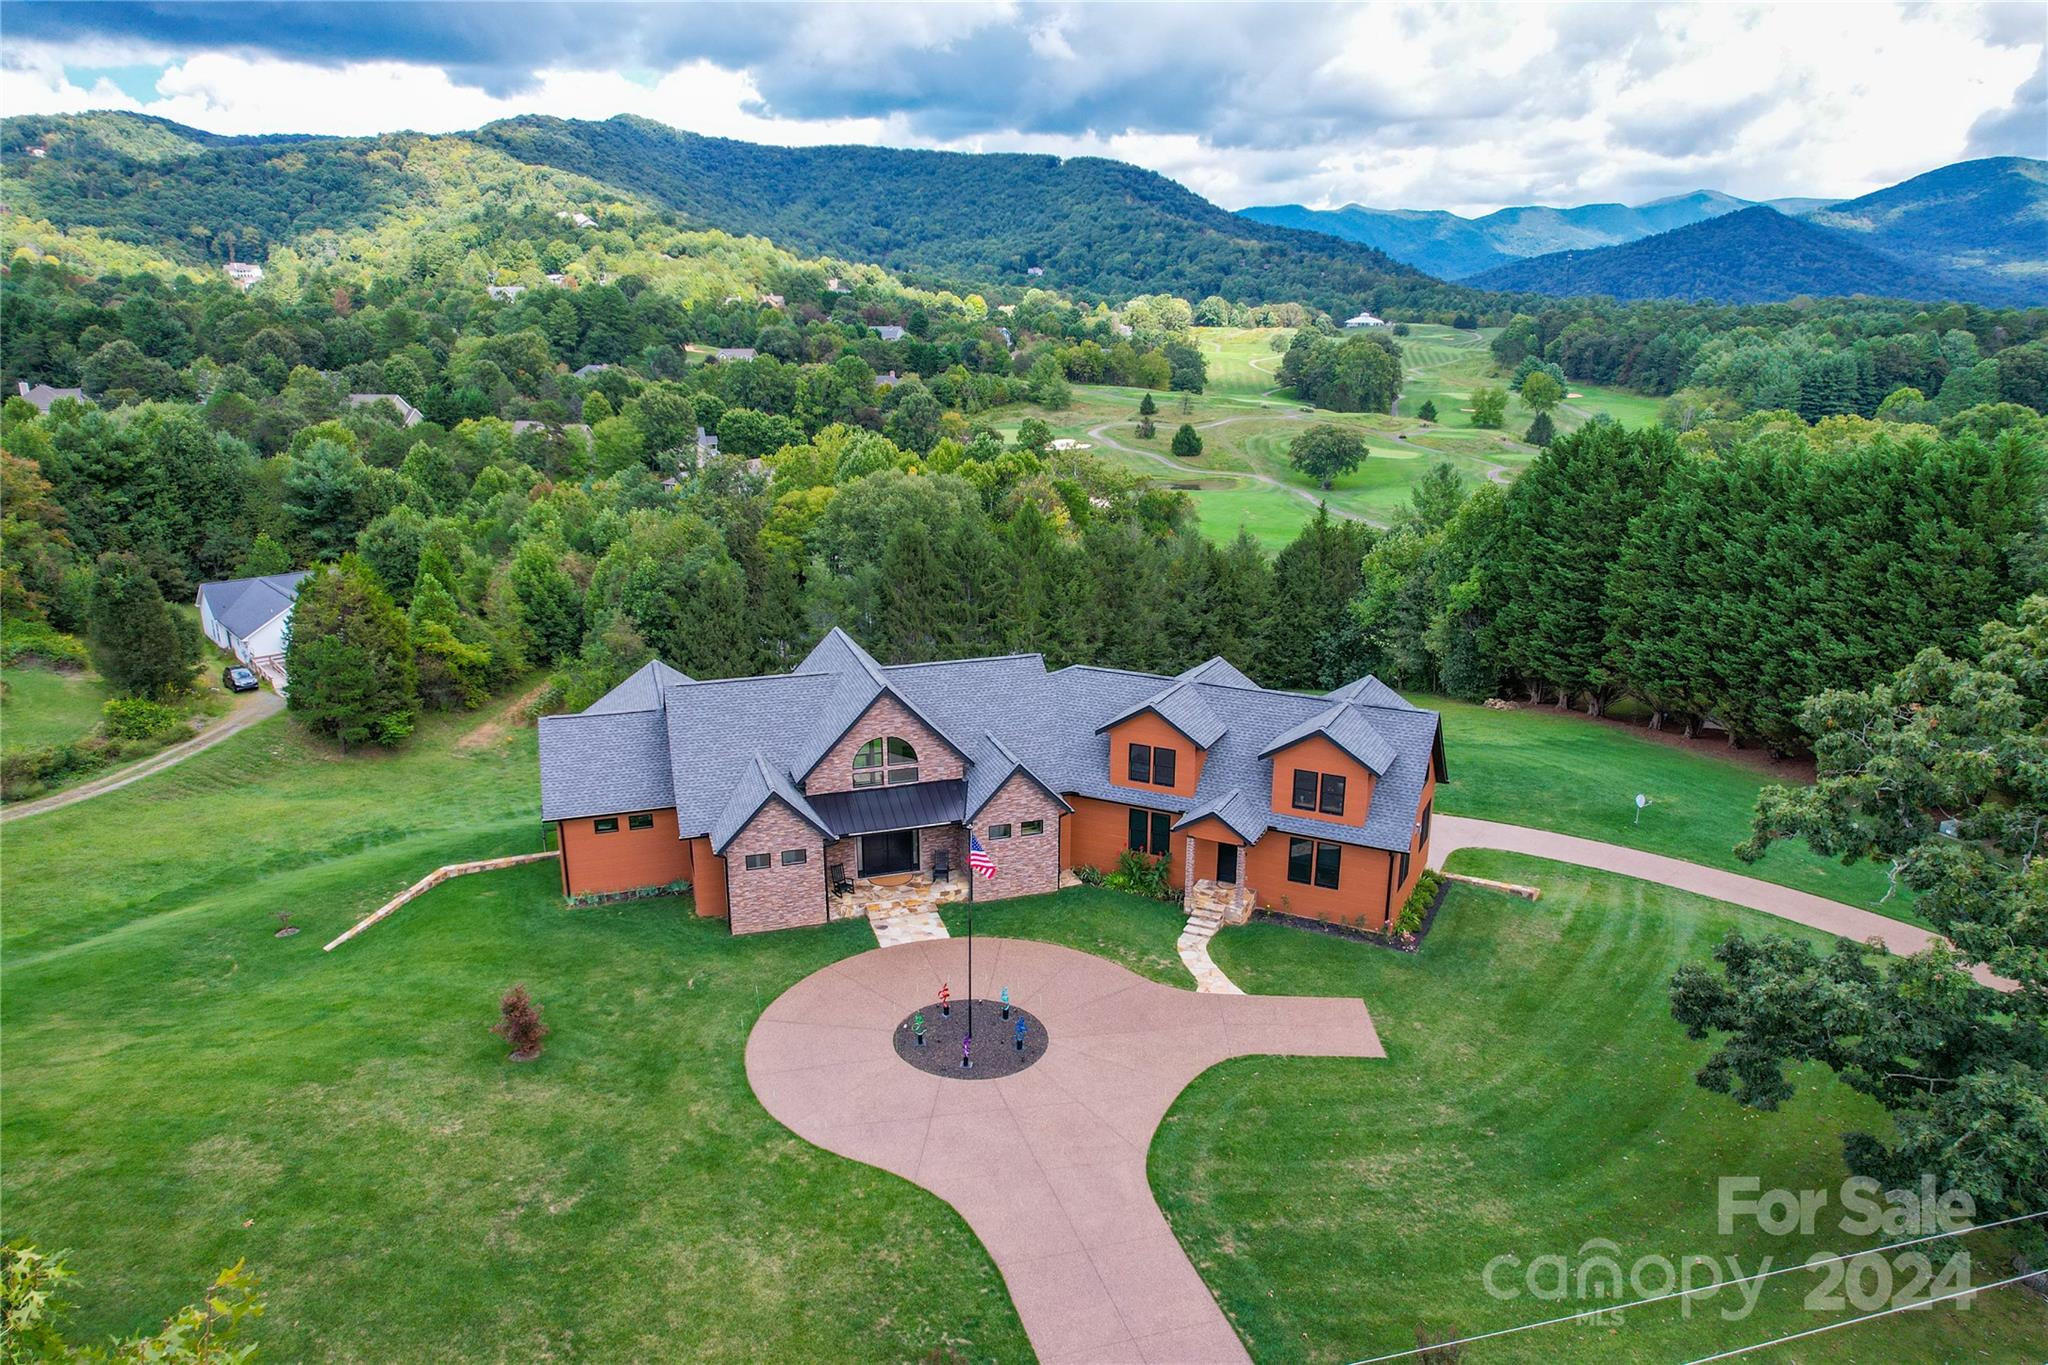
265, 557
1187, 442
1146, 407
550, 607
1427, 412
1316, 576
350, 658
138, 644
1540, 432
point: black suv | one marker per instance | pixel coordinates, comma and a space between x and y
239, 679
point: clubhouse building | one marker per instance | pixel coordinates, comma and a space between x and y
797, 798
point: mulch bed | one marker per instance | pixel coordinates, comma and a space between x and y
995, 1043
1399, 945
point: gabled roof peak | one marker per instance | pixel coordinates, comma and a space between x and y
1346, 726
1370, 691
1180, 705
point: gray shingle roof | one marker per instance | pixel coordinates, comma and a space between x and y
600, 763
246, 605
1005, 714
759, 783
1231, 807
641, 692
1182, 707
1370, 691
1345, 726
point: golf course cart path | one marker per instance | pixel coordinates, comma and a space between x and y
249, 708
1186, 471
1453, 832
1048, 1165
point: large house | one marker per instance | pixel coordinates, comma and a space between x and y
769, 796
249, 616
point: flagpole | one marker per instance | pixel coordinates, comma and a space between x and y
971, 874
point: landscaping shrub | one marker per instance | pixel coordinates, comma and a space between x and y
519, 1024
1140, 874
1089, 875
38, 640
1409, 922
139, 718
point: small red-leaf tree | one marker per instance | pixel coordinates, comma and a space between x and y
519, 1024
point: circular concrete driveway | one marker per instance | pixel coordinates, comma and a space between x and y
1047, 1166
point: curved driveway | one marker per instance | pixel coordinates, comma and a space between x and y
1450, 833
1047, 1166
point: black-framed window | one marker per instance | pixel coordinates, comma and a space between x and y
1314, 863
1332, 802
644, 820
1423, 836
1301, 860
791, 857
1401, 877
608, 825
756, 861
1305, 788
1163, 763
1139, 768
998, 831
1152, 764
1329, 861
1149, 831
889, 760
1031, 827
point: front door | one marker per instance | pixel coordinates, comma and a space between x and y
883, 855
1226, 864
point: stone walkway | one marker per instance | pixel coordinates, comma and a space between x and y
1047, 1166
906, 926
1193, 947
1452, 832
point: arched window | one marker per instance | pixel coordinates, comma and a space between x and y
884, 761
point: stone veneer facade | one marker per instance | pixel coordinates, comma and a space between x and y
936, 761
1026, 864
775, 896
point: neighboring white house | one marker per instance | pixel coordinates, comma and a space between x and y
733, 353
243, 273
1365, 320
42, 395
248, 616
408, 415
587, 371
505, 293
888, 333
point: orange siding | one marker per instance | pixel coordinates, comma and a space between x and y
1317, 754
1360, 899
1212, 830
629, 860
1147, 728
708, 887
1100, 831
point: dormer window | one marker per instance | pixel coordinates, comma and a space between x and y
884, 762
1323, 792
1153, 765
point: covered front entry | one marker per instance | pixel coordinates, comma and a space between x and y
888, 853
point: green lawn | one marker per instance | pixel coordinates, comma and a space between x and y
1567, 773
189, 1089
1134, 933
46, 706
1246, 423
1536, 1095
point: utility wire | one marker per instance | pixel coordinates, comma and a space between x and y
1707, 1289
1867, 1317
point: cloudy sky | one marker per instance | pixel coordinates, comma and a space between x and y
1465, 107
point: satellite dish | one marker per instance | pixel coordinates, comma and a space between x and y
1641, 800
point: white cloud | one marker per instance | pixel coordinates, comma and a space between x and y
1460, 106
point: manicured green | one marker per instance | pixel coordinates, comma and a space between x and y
1536, 1095
1134, 933
46, 706
183, 1088
1533, 766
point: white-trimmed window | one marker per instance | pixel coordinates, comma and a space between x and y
887, 761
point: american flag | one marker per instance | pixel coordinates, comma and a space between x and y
978, 859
